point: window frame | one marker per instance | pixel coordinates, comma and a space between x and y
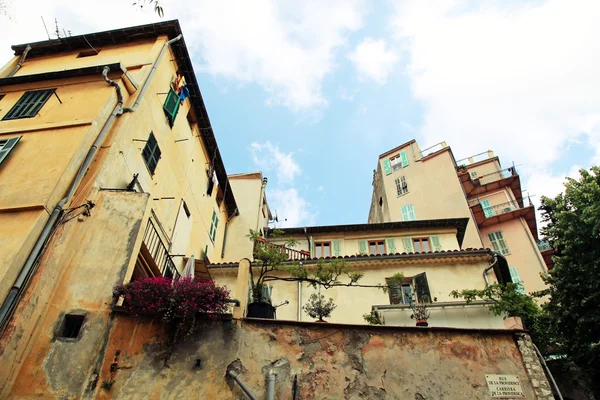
321, 245
401, 186
496, 243
420, 240
30, 103
396, 162
377, 244
406, 283
148, 158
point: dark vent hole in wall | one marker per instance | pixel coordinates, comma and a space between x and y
72, 325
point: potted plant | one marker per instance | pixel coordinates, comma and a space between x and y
420, 313
317, 307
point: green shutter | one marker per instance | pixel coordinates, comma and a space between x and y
213, 226
408, 245
171, 106
422, 288
387, 166
311, 244
29, 104
390, 245
337, 252
404, 211
404, 158
411, 212
8, 146
487, 208
516, 279
435, 241
363, 247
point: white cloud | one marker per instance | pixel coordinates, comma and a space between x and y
519, 79
292, 209
372, 60
320, 188
270, 158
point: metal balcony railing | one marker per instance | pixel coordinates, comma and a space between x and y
495, 176
159, 252
293, 255
543, 245
433, 149
476, 158
502, 208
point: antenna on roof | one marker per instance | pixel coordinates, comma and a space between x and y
57, 31
44, 22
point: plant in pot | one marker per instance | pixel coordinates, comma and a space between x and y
317, 307
420, 313
270, 257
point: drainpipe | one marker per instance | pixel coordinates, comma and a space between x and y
225, 232
151, 74
260, 201
300, 297
487, 269
243, 386
20, 63
271, 386
29, 267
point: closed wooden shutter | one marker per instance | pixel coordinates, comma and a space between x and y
405, 215
213, 226
404, 159
29, 104
387, 167
390, 246
422, 288
336, 244
408, 245
516, 279
488, 211
411, 212
435, 242
363, 247
7, 147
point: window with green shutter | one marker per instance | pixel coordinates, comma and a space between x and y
151, 153
404, 159
6, 147
422, 288
390, 245
213, 226
498, 242
171, 106
408, 245
387, 167
435, 242
408, 213
516, 279
29, 104
337, 250
363, 247
488, 211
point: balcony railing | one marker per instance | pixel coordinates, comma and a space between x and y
433, 149
476, 158
495, 176
502, 208
159, 252
544, 245
293, 255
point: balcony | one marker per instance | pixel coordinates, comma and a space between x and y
293, 254
453, 314
547, 253
154, 258
498, 213
491, 182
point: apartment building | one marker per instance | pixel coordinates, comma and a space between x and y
410, 184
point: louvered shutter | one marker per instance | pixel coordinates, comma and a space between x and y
8, 146
363, 247
516, 279
411, 212
408, 245
335, 244
404, 158
394, 291
422, 288
404, 211
387, 166
29, 104
488, 211
435, 242
390, 245
171, 106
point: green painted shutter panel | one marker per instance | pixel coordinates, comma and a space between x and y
516, 279
404, 211
487, 208
387, 166
435, 241
213, 226
8, 146
171, 106
29, 104
501, 243
336, 244
408, 245
411, 212
216, 225
422, 288
363, 247
311, 243
390, 245
404, 158
205, 257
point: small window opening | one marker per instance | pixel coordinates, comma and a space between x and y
186, 209
381, 202
72, 325
88, 53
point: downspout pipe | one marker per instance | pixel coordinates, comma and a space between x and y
300, 297
487, 269
20, 63
271, 386
28, 268
242, 385
151, 74
539, 354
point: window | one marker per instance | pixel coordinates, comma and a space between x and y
421, 245
71, 326
322, 249
401, 186
498, 242
396, 162
151, 153
400, 293
29, 104
488, 210
473, 174
213, 226
6, 147
186, 210
404, 159
408, 213
376, 247
380, 201
88, 53
171, 106
516, 279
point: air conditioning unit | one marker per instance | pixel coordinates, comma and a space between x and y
507, 210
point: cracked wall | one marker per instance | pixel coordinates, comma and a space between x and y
327, 361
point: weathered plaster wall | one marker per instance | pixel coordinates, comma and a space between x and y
329, 361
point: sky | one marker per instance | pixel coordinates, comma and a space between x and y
312, 92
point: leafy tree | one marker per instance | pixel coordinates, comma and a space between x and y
572, 314
317, 307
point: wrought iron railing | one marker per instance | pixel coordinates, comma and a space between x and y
159, 251
495, 176
293, 255
544, 245
433, 149
476, 158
